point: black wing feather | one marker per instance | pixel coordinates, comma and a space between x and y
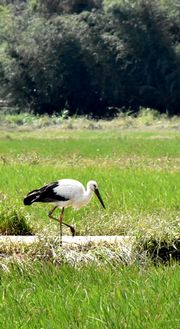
44, 194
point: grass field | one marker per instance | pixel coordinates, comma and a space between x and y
45, 296
136, 164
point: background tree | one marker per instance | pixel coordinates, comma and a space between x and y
68, 6
91, 61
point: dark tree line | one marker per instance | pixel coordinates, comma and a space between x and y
90, 59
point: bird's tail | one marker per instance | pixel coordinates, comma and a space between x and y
33, 196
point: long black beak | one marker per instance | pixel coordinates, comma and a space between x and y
99, 197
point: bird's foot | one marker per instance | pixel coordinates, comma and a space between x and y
72, 230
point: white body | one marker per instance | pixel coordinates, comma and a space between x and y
74, 191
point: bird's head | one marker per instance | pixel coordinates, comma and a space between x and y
93, 186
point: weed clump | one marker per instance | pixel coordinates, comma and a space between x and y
13, 221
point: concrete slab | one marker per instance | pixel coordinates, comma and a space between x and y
77, 240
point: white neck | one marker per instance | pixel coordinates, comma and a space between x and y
87, 195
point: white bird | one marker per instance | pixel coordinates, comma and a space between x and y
64, 193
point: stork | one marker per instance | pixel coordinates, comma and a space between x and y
62, 194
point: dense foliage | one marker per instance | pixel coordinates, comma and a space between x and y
90, 57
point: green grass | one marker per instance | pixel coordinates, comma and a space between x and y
45, 296
92, 145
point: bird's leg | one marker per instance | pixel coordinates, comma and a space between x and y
51, 212
60, 220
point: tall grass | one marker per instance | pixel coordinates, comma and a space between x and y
44, 296
145, 118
